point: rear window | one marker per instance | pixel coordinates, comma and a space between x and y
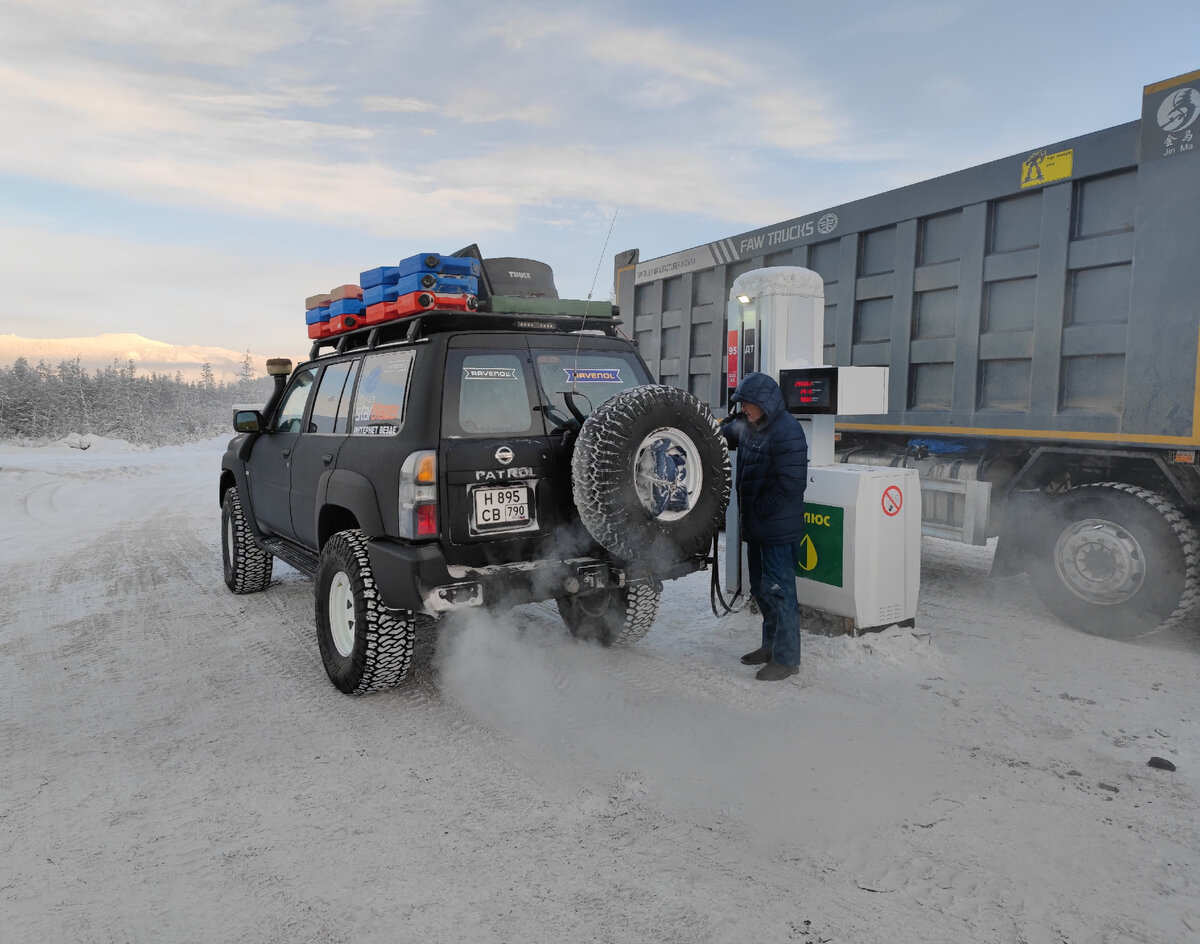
593, 376
488, 392
380, 397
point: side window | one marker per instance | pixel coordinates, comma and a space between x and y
328, 397
379, 400
493, 394
291, 410
341, 422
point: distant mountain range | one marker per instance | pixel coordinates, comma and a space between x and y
149, 356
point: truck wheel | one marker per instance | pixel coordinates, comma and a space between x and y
650, 474
247, 566
365, 647
1117, 561
610, 617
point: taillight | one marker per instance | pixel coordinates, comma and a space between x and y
418, 495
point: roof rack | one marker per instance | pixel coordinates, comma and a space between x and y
414, 327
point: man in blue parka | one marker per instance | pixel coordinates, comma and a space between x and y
772, 470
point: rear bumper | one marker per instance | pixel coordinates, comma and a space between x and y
417, 578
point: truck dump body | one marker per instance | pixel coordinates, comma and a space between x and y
1052, 294
1039, 317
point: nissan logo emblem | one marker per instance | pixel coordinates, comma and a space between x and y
504, 455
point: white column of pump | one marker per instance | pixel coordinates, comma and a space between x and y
875, 550
782, 308
787, 305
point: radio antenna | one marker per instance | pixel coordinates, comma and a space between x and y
595, 277
603, 253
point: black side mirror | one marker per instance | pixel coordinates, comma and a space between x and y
247, 421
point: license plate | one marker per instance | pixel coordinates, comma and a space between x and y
497, 507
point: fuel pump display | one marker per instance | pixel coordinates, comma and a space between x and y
810, 390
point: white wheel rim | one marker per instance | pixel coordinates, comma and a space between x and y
668, 499
1100, 561
342, 618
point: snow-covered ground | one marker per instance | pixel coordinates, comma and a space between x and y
177, 768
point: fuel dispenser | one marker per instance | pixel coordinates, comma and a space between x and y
861, 554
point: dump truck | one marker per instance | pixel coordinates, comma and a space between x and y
1040, 319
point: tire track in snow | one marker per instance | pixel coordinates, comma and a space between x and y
37, 503
161, 600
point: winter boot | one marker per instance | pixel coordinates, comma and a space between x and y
776, 672
757, 657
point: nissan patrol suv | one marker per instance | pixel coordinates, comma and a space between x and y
470, 459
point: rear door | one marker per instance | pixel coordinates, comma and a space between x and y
507, 435
496, 457
315, 451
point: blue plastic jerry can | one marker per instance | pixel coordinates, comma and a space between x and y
423, 282
384, 275
346, 306
438, 264
374, 294
437, 282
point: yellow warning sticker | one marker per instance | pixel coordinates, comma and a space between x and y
1042, 168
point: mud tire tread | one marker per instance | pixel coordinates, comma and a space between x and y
247, 566
602, 474
384, 641
1120, 620
628, 616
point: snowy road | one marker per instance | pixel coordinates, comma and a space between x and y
176, 767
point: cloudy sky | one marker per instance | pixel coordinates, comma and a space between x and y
191, 170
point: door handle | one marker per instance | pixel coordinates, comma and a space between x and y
286, 453
327, 459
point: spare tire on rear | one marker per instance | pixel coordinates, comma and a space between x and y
650, 475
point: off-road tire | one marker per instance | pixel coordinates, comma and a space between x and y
608, 469
247, 566
611, 617
365, 647
1116, 560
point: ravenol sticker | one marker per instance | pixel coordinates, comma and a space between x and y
594, 375
489, 373
1042, 168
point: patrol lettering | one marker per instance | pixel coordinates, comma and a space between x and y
491, 475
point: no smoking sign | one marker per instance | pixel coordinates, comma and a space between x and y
893, 501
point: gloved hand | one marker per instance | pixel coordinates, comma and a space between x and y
728, 427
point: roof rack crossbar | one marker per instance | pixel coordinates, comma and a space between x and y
417, 326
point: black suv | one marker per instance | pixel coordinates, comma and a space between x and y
470, 459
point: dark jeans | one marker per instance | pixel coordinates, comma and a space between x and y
773, 585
